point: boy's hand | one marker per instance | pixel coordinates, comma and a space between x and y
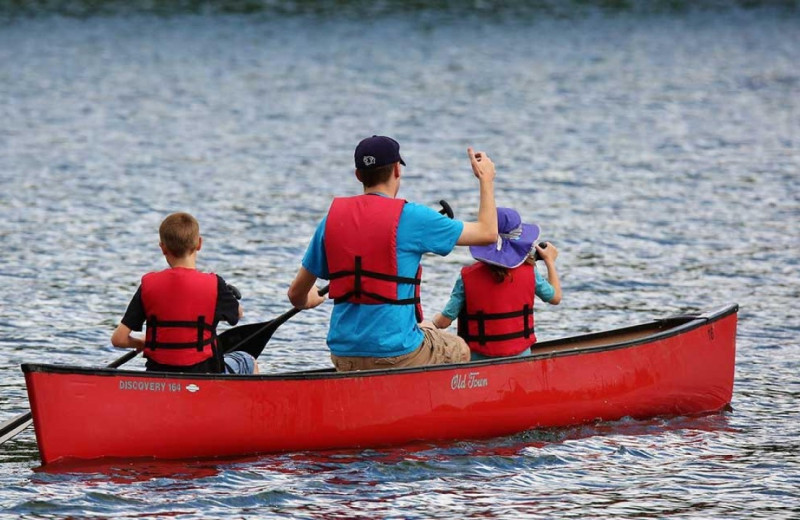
236, 293
482, 165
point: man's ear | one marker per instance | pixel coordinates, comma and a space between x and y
358, 176
199, 243
164, 249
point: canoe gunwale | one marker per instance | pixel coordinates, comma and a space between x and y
666, 327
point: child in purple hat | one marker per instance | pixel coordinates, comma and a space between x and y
493, 298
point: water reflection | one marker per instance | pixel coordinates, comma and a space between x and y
126, 471
525, 444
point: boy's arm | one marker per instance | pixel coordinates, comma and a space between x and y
134, 318
228, 307
121, 338
484, 231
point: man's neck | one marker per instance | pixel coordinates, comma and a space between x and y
381, 189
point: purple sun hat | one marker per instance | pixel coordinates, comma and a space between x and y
514, 241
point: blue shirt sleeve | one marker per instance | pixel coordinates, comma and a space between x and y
456, 301
544, 289
424, 230
315, 261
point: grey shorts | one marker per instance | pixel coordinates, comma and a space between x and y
239, 363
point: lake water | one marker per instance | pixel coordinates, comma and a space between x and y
658, 149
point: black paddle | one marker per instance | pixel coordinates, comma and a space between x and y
252, 338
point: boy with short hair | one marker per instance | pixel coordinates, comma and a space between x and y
182, 307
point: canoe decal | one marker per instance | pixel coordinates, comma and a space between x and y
149, 386
192, 388
468, 380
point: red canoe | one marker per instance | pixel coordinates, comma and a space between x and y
674, 366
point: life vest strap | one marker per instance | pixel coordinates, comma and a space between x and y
172, 346
481, 318
526, 311
154, 324
376, 275
496, 337
347, 296
357, 291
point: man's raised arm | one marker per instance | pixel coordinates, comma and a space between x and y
484, 231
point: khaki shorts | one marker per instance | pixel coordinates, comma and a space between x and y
438, 347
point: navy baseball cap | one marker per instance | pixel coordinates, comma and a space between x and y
376, 151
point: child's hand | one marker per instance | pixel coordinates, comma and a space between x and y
137, 343
548, 253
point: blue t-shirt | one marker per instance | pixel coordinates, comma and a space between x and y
544, 290
385, 330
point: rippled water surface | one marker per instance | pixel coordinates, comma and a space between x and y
660, 151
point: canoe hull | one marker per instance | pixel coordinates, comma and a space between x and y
84, 413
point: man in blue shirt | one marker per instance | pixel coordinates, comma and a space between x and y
370, 247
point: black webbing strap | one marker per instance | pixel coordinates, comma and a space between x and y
358, 273
481, 318
153, 324
152, 327
383, 299
526, 317
501, 315
200, 329
357, 277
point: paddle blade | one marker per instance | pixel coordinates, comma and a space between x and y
254, 337
250, 338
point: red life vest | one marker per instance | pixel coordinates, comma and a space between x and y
497, 318
361, 249
180, 306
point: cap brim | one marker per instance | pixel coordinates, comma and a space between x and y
512, 253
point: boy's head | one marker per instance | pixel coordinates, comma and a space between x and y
179, 234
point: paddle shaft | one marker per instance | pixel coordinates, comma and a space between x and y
14, 426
